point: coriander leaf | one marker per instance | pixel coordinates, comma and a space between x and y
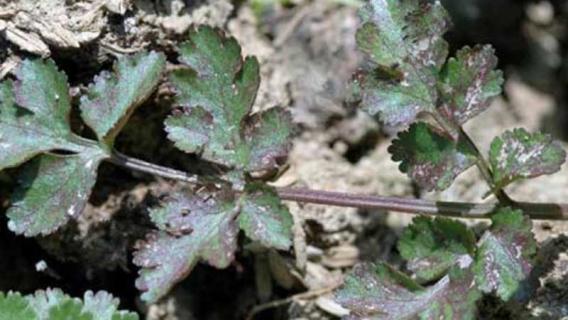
52, 190
113, 97
216, 96
433, 246
53, 304
34, 113
14, 306
380, 292
506, 254
468, 82
404, 41
265, 219
429, 158
519, 154
196, 229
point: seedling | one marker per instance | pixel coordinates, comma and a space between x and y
410, 86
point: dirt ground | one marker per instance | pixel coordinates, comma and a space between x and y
308, 54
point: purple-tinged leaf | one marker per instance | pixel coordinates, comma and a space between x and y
216, 97
196, 229
113, 97
268, 136
468, 82
43, 90
506, 254
432, 246
29, 127
52, 190
519, 154
403, 39
432, 160
373, 292
265, 219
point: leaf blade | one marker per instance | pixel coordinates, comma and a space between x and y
519, 154
265, 219
53, 189
112, 98
432, 160
380, 292
506, 254
432, 246
208, 232
468, 82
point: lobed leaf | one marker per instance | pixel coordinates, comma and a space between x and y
113, 97
14, 306
265, 219
404, 41
217, 95
194, 228
518, 154
432, 246
380, 292
34, 120
468, 82
53, 304
29, 127
506, 254
432, 160
52, 190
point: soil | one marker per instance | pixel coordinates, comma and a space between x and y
307, 52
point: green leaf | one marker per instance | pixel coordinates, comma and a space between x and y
113, 97
52, 190
13, 306
53, 304
433, 246
404, 41
468, 82
34, 113
519, 154
380, 292
432, 160
217, 95
265, 219
196, 229
43, 90
506, 254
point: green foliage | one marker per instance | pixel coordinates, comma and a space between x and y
52, 190
409, 78
433, 246
518, 154
34, 121
404, 41
380, 292
112, 98
468, 82
216, 96
432, 160
53, 304
447, 252
506, 254
205, 227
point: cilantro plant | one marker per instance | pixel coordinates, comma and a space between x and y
409, 84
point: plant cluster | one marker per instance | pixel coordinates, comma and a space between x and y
409, 84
